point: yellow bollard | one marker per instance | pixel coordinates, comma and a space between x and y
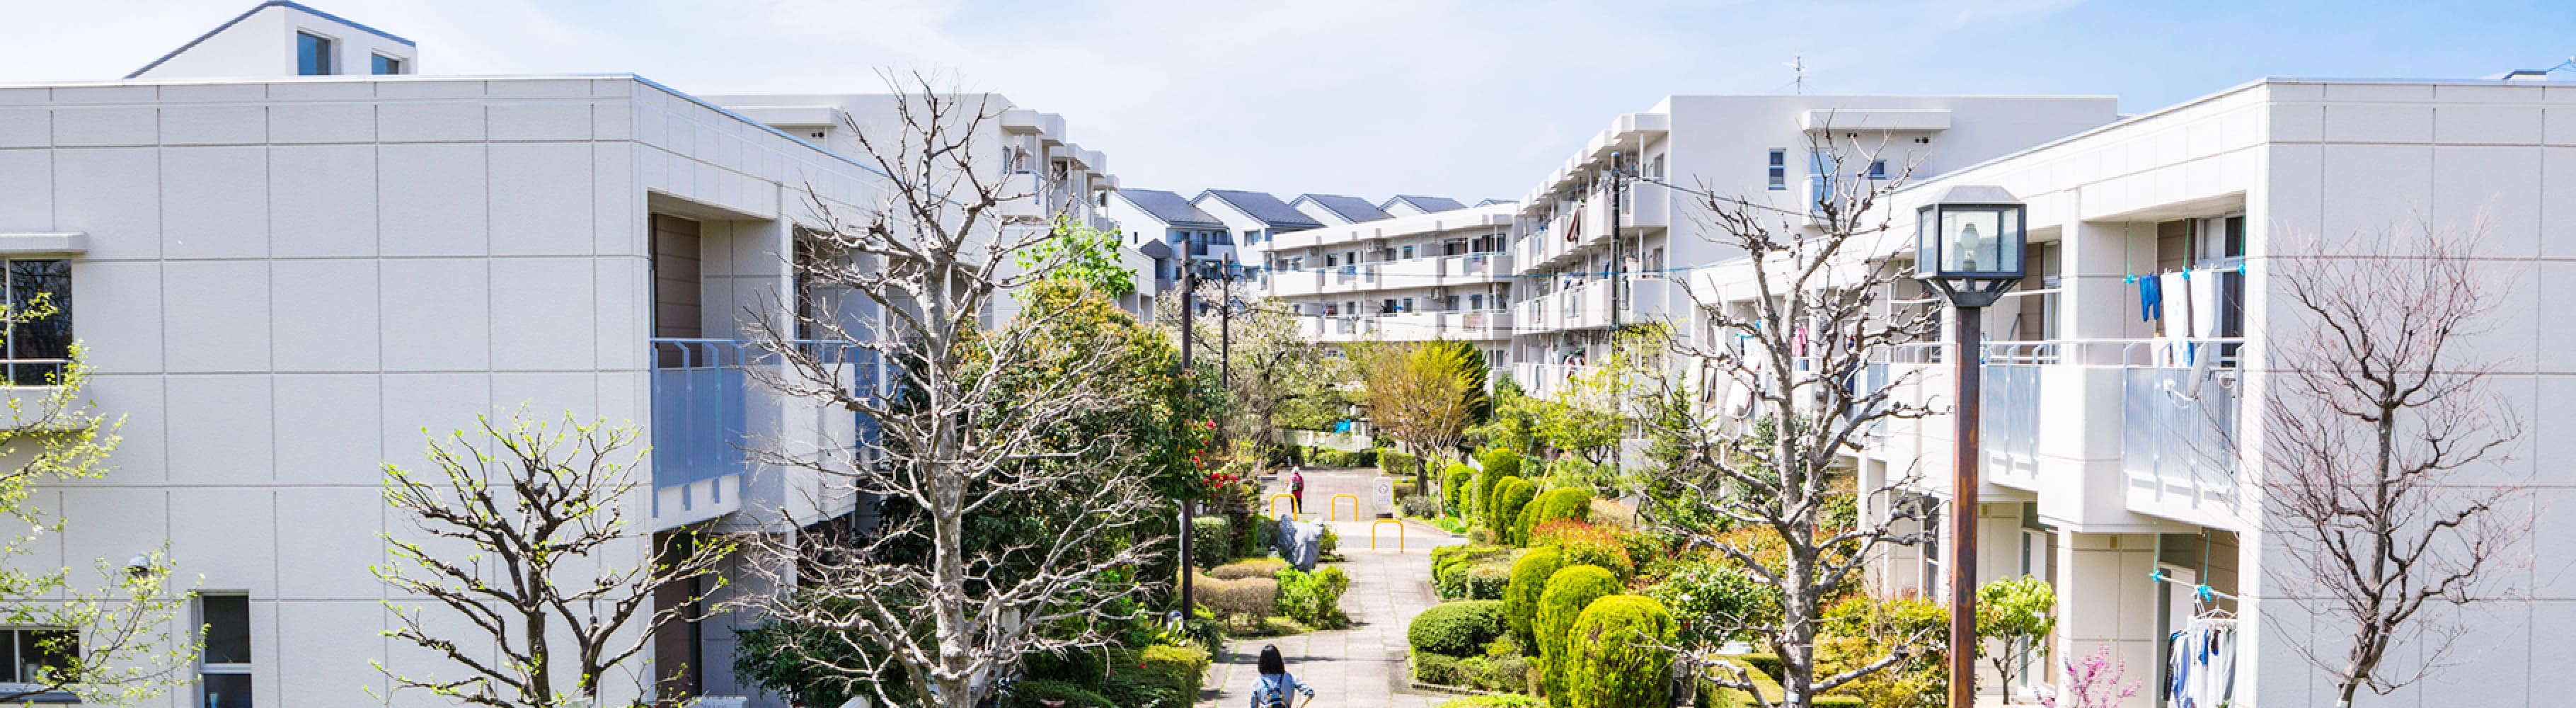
1399, 534
1274, 503
1333, 509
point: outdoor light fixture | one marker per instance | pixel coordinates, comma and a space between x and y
1970, 243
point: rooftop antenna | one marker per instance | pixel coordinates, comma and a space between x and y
1798, 68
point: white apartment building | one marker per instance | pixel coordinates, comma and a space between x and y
282, 279
2127, 478
1764, 149
1438, 275
1153, 216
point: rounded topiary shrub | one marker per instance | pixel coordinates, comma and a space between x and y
1489, 487
1562, 504
1456, 628
1487, 580
1568, 592
1454, 483
1501, 462
1509, 497
1529, 579
1614, 657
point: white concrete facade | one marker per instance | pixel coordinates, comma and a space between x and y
282, 280
2097, 476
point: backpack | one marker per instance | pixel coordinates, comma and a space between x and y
1297, 482
1273, 694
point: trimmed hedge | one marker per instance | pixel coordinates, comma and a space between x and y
1450, 566
1614, 659
1454, 483
1568, 592
1246, 599
1211, 541
1588, 544
1501, 462
1160, 676
1499, 700
1456, 628
1529, 579
1558, 505
1486, 581
1248, 568
1027, 694
1509, 496
1488, 673
1398, 463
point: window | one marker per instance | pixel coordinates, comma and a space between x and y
1878, 169
223, 670
30, 652
1779, 168
1408, 253
1657, 170
37, 349
312, 54
387, 66
1408, 305
1450, 303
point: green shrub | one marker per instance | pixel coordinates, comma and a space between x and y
1587, 544
1501, 462
1454, 483
1158, 676
1398, 463
1509, 497
1560, 505
1499, 700
1406, 488
1449, 566
1456, 628
1529, 579
1211, 541
1568, 592
1486, 580
1614, 658
1248, 568
1028, 694
1421, 506
1241, 600
1436, 669
1838, 702
1478, 672
1313, 599
1329, 542
1708, 598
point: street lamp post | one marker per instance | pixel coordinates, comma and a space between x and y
1970, 244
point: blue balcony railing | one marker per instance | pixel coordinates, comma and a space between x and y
702, 402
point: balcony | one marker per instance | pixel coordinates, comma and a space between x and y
708, 410
2178, 442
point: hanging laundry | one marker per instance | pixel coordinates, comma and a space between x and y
2151, 299
2208, 292
2177, 319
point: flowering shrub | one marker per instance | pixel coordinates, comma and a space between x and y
2093, 682
1585, 543
1709, 599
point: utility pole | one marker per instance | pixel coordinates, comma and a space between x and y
1189, 510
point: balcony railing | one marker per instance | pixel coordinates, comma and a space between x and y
705, 406
2178, 432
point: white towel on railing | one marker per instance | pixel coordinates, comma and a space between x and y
2177, 320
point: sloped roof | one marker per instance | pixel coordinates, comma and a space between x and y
1426, 204
1260, 205
255, 10
1170, 207
1491, 202
1352, 209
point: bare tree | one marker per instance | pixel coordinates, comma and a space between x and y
1821, 279
2381, 425
974, 422
521, 533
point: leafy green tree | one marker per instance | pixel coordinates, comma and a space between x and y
1076, 251
108, 643
2017, 612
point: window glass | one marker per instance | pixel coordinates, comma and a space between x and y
227, 619
226, 690
386, 65
312, 55
37, 348
1779, 177
39, 650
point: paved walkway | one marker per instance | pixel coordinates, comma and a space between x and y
1363, 666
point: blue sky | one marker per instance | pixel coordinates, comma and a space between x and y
1373, 97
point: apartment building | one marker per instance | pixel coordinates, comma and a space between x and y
1777, 151
284, 270
1438, 275
2122, 448
1153, 216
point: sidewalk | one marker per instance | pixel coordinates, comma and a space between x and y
1363, 666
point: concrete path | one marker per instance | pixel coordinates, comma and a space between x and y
1363, 666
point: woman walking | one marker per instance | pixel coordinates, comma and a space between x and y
1271, 690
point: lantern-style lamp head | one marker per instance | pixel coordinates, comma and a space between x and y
1969, 242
